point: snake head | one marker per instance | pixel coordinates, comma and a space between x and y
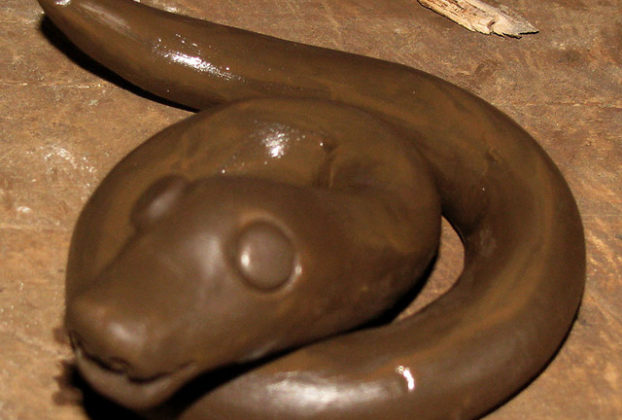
219, 271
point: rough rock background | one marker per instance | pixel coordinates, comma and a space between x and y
64, 122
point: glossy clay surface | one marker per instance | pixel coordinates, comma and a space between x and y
269, 224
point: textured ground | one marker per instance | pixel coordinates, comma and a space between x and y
64, 123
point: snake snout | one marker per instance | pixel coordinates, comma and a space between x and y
123, 335
114, 354
112, 363
100, 332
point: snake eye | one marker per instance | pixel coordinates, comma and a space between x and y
157, 200
265, 256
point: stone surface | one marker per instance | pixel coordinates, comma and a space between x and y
64, 122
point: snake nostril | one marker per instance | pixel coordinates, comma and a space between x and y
77, 343
117, 364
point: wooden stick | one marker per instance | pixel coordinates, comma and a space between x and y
475, 15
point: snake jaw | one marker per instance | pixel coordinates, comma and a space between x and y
137, 393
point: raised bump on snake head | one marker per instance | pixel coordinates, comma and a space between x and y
464, 353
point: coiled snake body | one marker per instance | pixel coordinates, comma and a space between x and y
306, 207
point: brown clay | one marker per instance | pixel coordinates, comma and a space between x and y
268, 224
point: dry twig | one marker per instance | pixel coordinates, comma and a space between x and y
478, 16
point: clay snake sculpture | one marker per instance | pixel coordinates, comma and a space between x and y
303, 206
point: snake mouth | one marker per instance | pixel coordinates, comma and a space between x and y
133, 393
